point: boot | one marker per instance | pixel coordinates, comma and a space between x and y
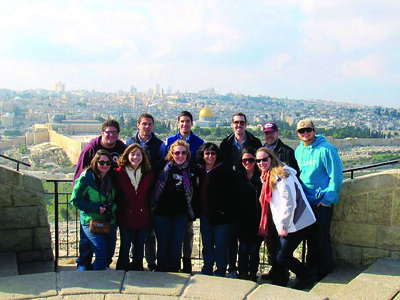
187, 265
253, 276
243, 275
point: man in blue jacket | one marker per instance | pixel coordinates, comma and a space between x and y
185, 124
321, 174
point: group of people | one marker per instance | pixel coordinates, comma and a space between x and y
243, 192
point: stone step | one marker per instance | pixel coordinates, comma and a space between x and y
380, 281
336, 281
8, 264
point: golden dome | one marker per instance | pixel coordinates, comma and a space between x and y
206, 112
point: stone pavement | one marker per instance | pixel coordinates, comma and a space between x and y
379, 281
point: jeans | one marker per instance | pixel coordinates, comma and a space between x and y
137, 238
287, 245
319, 253
249, 257
169, 232
150, 246
215, 246
85, 250
233, 247
188, 241
103, 246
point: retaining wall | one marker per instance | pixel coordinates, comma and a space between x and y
366, 222
24, 228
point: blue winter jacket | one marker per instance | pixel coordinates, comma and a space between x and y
193, 140
321, 171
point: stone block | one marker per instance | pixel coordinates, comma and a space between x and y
356, 234
347, 254
338, 210
32, 183
5, 195
42, 216
109, 281
42, 238
155, 283
10, 176
23, 197
370, 255
34, 256
379, 207
211, 287
374, 182
389, 237
269, 291
355, 208
19, 217
16, 240
396, 208
395, 255
29, 286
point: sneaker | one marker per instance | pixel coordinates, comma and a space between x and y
81, 268
234, 274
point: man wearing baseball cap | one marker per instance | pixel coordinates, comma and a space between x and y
286, 155
321, 178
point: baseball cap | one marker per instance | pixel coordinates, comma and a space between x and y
270, 126
306, 123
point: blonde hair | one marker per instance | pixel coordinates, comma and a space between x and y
276, 167
171, 151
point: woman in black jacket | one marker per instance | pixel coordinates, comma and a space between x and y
248, 214
215, 203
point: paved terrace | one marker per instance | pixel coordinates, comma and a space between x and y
380, 281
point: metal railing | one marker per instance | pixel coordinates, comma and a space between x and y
71, 236
15, 160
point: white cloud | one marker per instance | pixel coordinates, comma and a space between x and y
371, 67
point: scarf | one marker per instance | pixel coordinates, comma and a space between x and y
162, 180
265, 201
134, 176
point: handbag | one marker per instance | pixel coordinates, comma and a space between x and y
99, 226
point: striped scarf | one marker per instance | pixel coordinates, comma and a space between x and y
265, 201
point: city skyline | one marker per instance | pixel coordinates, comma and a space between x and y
331, 50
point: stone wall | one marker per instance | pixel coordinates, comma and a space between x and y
366, 222
72, 148
24, 227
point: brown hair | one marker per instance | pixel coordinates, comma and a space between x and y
276, 167
240, 114
109, 123
171, 150
95, 159
145, 115
144, 165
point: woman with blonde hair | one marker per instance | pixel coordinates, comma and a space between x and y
134, 180
284, 199
171, 205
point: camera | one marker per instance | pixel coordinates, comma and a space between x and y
108, 210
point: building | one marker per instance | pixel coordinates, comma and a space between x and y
206, 118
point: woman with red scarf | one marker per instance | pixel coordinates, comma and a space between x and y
283, 199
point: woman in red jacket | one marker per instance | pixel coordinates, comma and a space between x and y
134, 181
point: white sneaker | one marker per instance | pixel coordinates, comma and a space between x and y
81, 268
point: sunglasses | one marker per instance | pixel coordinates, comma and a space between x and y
304, 130
111, 132
239, 122
264, 159
102, 162
210, 153
177, 153
248, 160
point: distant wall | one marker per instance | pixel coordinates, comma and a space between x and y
24, 227
5, 144
366, 222
72, 147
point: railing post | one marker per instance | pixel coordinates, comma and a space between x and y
56, 246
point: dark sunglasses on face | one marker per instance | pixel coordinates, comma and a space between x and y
210, 153
177, 153
264, 159
102, 162
304, 130
238, 122
248, 160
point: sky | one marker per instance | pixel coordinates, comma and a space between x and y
339, 50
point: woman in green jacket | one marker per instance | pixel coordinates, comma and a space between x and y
93, 195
